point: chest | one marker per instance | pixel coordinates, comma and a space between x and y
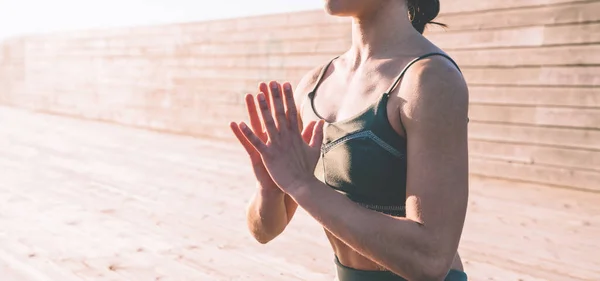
342, 98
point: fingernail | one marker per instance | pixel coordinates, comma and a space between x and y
287, 86
261, 97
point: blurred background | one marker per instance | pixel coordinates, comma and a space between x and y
117, 163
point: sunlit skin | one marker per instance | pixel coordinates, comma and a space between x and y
429, 109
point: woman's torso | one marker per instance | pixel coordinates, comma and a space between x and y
364, 151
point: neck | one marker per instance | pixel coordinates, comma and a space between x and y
380, 33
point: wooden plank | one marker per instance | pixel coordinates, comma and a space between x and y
532, 36
192, 49
323, 46
523, 76
567, 13
580, 179
533, 135
176, 43
536, 154
584, 55
583, 118
274, 33
258, 61
535, 96
534, 76
291, 53
468, 6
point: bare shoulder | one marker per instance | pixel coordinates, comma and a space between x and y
434, 90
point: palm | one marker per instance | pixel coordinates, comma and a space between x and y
280, 152
258, 167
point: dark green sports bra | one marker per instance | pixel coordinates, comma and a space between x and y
363, 157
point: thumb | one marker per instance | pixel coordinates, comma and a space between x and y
308, 132
317, 135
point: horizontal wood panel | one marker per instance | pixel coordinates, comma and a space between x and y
533, 36
536, 173
272, 35
543, 76
461, 6
536, 154
190, 48
542, 96
534, 76
532, 135
278, 47
164, 65
543, 56
257, 62
291, 54
576, 12
218, 74
584, 118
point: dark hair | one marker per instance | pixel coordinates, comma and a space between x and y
422, 12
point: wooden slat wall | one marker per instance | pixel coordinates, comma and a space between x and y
533, 67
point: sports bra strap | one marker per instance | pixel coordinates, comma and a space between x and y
321, 75
397, 81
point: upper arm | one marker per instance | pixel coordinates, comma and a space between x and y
435, 118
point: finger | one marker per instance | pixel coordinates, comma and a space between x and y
278, 109
264, 88
290, 105
317, 135
256, 142
254, 156
255, 121
308, 132
267, 117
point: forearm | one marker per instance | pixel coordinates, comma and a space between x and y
268, 214
399, 244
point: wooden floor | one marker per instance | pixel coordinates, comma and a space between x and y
81, 200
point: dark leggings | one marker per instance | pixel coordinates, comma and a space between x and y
345, 273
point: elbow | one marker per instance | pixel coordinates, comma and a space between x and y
261, 233
261, 236
262, 239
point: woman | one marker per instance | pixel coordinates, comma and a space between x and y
382, 162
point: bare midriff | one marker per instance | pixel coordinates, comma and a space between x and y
350, 258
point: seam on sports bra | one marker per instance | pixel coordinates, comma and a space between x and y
362, 134
383, 207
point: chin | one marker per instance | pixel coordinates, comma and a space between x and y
340, 7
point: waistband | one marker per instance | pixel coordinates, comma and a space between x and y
345, 273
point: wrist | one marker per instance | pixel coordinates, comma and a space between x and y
301, 187
269, 191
